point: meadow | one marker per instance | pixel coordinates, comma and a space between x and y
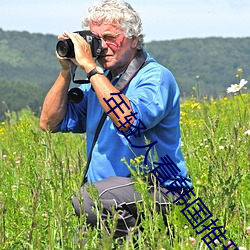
40, 172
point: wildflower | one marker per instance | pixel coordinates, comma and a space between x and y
216, 242
237, 87
230, 243
137, 159
123, 159
242, 248
132, 162
45, 216
195, 105
221, 147
247, 133
198, 182
192, 240
183, 113
248, 230
240, 70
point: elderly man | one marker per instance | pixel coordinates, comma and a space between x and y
141, 100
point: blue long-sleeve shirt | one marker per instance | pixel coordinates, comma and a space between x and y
154, 95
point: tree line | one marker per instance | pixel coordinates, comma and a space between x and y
202, 67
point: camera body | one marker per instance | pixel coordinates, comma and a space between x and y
65, 48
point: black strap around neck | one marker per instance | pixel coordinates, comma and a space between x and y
136, 64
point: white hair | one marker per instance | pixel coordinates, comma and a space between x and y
120, 13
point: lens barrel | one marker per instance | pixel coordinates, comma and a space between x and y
65, 48
75, 95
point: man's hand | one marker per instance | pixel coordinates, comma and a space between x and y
83, 54
66, 63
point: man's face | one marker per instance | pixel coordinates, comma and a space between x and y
118, 50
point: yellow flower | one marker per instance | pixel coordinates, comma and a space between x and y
183, 113
195, 105
240, 70
132, 162
138, 160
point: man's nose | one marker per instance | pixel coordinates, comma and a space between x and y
104, 44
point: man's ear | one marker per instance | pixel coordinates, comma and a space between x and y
134, 42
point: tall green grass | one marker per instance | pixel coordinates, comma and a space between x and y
40, 172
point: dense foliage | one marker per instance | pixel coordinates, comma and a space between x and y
16, 95
208, 64
41, 171
28, 58
28, 68
204, 66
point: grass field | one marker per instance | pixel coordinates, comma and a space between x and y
40, 172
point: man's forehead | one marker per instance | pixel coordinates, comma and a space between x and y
104, 28
104, 25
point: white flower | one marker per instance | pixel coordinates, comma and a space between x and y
216, 242
221, 147
237, 87
246, 133
242, 248
192, 240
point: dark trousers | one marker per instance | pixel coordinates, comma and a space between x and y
118, 193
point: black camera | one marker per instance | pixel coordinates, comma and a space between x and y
65, 48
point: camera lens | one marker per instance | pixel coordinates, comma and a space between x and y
65, 48
75, 95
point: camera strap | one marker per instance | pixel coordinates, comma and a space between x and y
136, 64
